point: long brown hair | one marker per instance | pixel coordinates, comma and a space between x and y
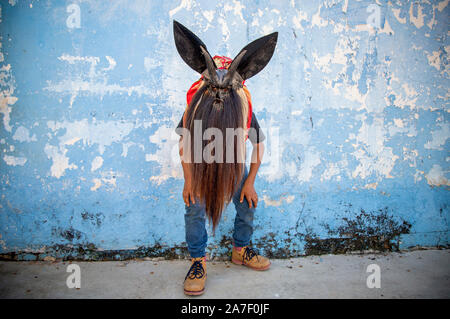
220, 102
214, 183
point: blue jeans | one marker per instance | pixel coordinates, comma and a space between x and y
195, 218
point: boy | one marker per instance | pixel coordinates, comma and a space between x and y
221, 101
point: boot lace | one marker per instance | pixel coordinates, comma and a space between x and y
196, 271
249, 253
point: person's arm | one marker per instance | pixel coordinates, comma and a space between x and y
248, 190
188, 193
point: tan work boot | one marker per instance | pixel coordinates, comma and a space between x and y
249, 257
194, 282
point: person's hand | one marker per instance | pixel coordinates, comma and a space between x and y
248, 191
188, 193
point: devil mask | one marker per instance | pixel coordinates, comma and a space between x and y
250, 60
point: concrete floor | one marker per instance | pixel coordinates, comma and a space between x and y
412, 274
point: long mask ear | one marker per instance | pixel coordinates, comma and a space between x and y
257, 54
188, 46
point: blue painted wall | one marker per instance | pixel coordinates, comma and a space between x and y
354, 104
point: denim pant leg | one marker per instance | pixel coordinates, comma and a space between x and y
196, 235
243, 223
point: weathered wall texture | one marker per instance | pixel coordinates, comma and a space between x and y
355, 101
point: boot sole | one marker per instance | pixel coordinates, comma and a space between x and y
194, 293
238, 262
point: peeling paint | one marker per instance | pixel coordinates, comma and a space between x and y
96, 163
22, 134
275, 203
372, 154
93, 81
416, 18
7, 99
436, 176
102, 133
439, 137
60, 160
14, 160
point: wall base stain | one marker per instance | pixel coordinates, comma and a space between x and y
91, 253
376, 231
315, 247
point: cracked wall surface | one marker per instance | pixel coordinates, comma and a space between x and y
354, 105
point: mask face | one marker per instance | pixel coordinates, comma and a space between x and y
249, 61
